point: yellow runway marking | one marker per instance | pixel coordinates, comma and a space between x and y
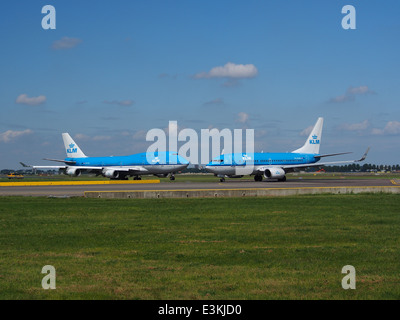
69, 183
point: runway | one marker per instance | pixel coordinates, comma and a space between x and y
78, 190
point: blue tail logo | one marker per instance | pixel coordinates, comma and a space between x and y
314, 139
72, 149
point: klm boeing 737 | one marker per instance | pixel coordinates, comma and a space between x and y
275, 165
160, 164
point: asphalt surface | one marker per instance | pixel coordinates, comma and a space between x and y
78, 190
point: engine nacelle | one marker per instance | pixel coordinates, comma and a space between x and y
73, 172
274, 173
110, 173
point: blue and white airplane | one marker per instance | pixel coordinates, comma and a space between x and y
275, 165
160, 164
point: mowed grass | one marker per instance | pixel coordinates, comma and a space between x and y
224, 248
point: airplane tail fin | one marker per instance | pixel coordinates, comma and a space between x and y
314, 139
71, 148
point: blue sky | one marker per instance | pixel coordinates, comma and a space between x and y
111, 71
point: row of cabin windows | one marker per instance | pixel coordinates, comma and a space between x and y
268, 161
276, 161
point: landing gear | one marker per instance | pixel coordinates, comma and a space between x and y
258, 178
283, 179
172, 177
222, 180
137, 178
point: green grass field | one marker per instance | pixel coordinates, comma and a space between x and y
224, 248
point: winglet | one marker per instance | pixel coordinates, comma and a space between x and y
364, 156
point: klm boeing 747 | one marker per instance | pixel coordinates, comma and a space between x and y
160, 164
275, 165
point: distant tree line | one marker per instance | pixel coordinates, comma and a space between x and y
355, 167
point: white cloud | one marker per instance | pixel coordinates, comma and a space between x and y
11, 135
356, 126
351, 94
140, 135
230, 70
306, 132
33, 101
81, 136
243, 117
342, 98
65, 43
376, 132
391, 128
359, 90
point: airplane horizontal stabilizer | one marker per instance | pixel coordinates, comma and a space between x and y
63, 161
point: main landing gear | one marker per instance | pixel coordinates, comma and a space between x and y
172, 177
137, 178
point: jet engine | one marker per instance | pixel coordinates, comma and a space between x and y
275, 173
73, 172
110, 173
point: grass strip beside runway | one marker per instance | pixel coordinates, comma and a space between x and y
232, 248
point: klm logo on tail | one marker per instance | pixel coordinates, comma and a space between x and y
72, 149
314, 139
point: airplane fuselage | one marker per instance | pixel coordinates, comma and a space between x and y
153, 163
227, 164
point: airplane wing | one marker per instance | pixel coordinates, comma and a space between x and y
133, 169
42, 167
48, 167
63, 161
